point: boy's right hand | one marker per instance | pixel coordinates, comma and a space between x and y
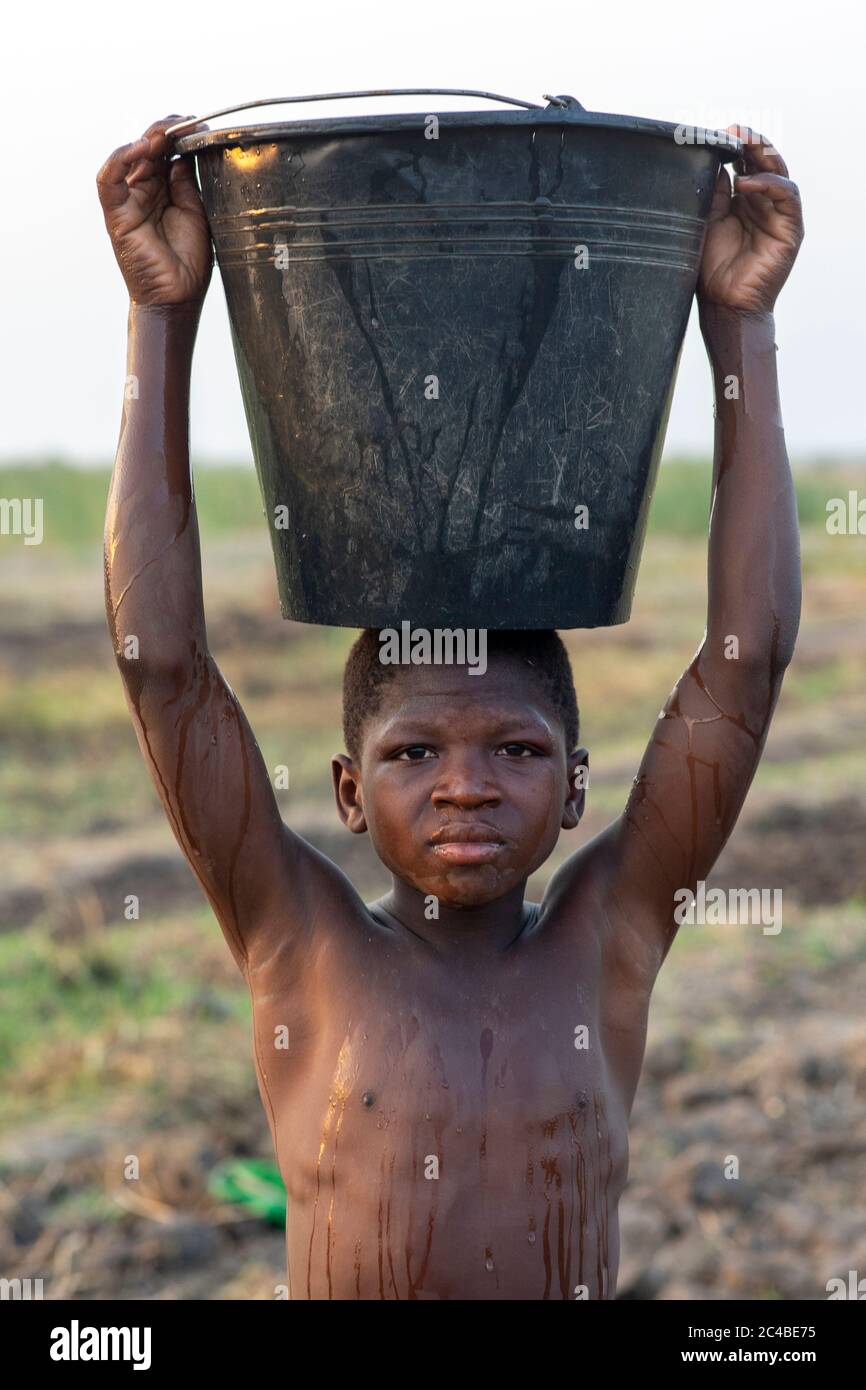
156, 220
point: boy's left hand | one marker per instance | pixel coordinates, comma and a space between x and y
754, 232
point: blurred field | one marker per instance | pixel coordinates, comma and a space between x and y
121, 1038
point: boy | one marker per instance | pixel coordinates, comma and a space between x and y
450, 1110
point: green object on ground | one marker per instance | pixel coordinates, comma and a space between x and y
254, 1183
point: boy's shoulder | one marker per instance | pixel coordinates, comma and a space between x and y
597, 895
307, 899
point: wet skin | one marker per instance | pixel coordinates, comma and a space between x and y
440, 1133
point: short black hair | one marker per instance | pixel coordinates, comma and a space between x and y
365, 676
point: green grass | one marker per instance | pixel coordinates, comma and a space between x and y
70, 764
228, 498
74, 1011
74, 499
681, 501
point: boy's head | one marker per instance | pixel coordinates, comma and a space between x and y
463, 780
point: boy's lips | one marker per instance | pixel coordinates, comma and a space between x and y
467, 842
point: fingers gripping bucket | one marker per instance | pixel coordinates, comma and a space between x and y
457, 340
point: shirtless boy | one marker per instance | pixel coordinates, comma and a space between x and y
450, 1114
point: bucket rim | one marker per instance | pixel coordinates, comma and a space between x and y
687, 136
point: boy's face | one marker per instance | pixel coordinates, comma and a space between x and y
463, 782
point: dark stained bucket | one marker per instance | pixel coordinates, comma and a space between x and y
457, 339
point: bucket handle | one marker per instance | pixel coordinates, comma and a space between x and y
561, 101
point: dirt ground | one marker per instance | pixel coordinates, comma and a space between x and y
755, 1053
122, 1039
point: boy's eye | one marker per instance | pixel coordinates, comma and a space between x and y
417, 752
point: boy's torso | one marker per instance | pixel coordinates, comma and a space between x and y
448, 1131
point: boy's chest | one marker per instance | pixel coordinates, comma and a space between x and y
507, 1070
454, 1131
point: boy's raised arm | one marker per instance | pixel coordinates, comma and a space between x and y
709, 737
202, 755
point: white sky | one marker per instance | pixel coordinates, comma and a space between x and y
79, 80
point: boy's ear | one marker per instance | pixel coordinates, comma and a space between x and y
578, 781
347, 789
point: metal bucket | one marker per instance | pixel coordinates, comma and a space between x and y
457, 339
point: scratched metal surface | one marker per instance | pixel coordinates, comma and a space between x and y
356, 267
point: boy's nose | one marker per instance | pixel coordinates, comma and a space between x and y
466, 782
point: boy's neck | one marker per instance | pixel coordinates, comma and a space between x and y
460, 931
